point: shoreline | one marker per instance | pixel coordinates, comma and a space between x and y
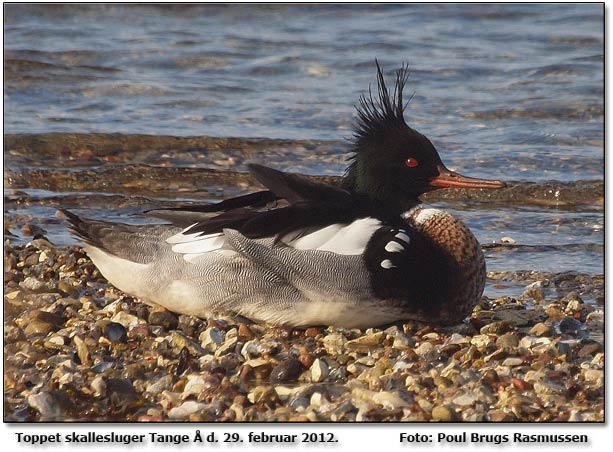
77, 349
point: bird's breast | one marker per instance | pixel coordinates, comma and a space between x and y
435, 264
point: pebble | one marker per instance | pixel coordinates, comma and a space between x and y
442, 383
115, 332
570, 326
482, 341
98, 386
67, 288
319, 370
529, 342
334, 343
229, 344
39, 328
262, 394
33, 284
287, 370
46, 405
244, 332
589, 349
443, 414
14, 295
499, 327
384, 398
102, 367
401, 341
541, 329
511, 362
563, 348
165, 319
82, 351
491, 376
299, 403
211, 339
546, 387
519, 318
195, 384
449, 349
594, 375
508, 341
508, 363
459, 339
125, 319
185, 410
318, 400
498, 415
54, 342
466, 399
121, 392
424, 348
366, 342
595, 318
179, 340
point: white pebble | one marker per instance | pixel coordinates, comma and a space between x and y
319, 370
187, 408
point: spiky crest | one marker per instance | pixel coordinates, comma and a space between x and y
375, 118
376, 114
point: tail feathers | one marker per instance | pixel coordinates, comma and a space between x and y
136, 243
86, 230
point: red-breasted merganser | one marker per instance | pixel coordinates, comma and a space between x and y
362, 254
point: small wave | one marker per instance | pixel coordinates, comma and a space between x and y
155, 179
95, 162
583, 112
564, 247
576, 40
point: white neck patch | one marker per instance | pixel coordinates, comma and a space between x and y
420, 214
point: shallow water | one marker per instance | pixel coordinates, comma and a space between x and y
508, 91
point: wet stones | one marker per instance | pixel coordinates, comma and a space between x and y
165, 319
541, 329
443, 414
47, 405
109, 356
287, 370
115, 332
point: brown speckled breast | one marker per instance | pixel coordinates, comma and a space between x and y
433, 270
466, 262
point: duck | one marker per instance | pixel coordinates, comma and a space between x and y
363, 253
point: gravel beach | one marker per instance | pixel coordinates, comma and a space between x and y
77, 349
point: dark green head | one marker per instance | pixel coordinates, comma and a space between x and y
393, 163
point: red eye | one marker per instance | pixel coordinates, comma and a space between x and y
412, 162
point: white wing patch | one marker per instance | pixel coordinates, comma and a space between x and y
194, 245
182, 236
347, 239
198, 245
394, 247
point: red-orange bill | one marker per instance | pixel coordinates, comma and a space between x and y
451, 179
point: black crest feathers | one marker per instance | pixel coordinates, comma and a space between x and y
376, 114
